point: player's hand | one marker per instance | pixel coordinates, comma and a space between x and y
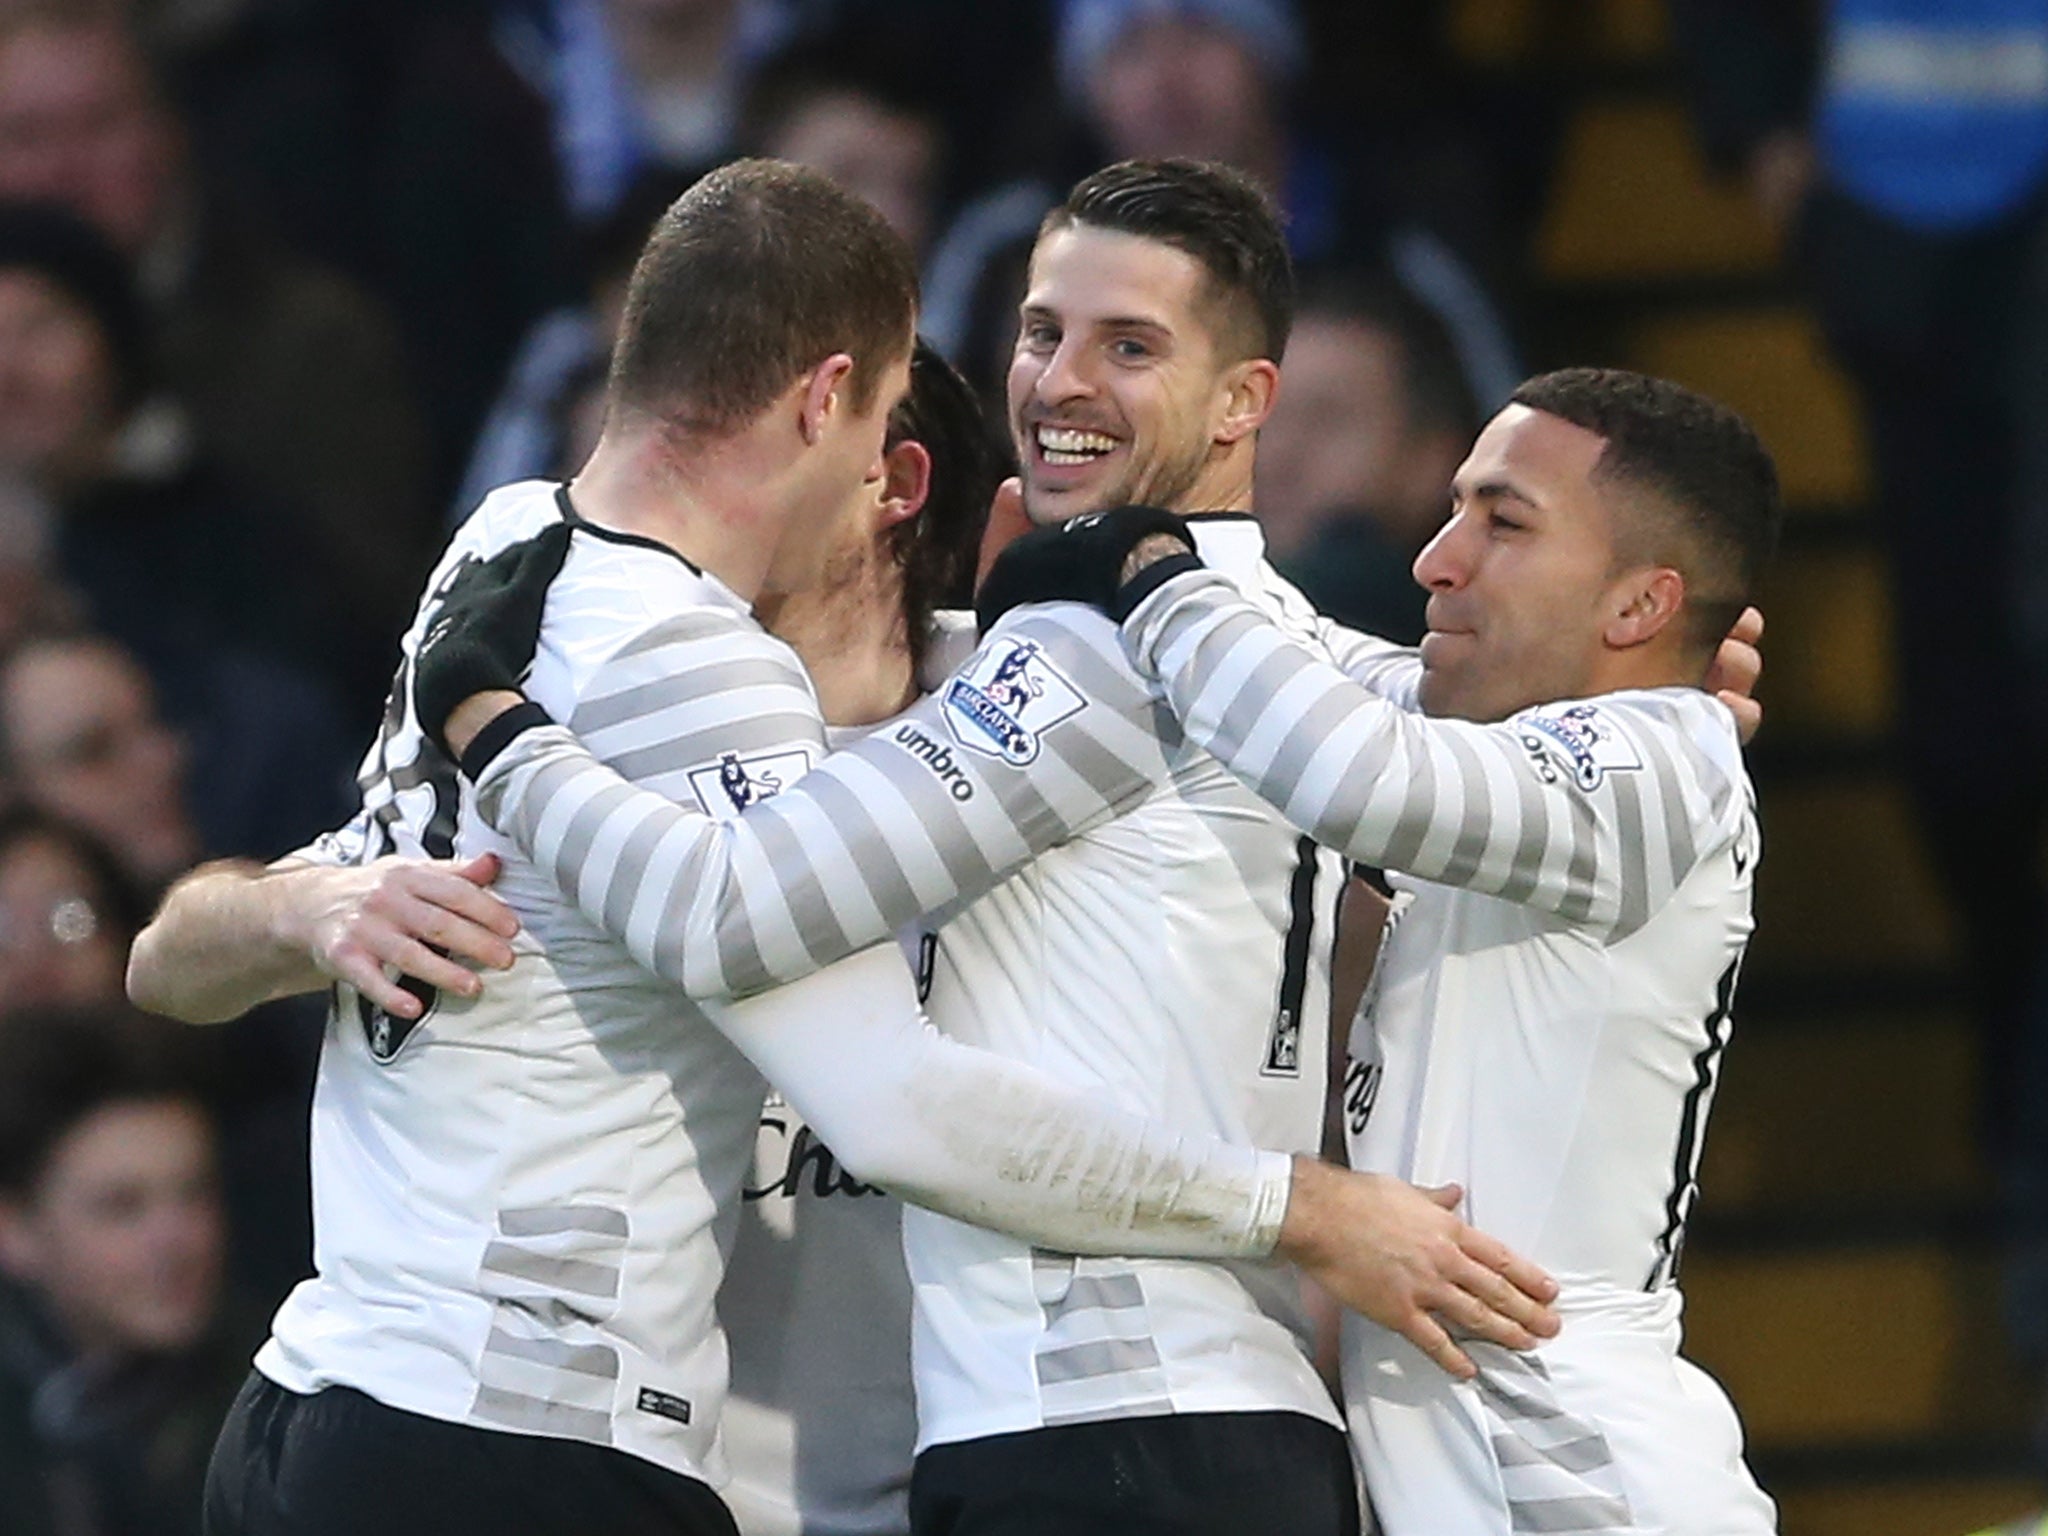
1081, 561
1402, 1257
1007, 522
1737, 665
431, 919
486, 628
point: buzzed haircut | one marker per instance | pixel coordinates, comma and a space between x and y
1217, 215
756, 274
1713, 512
937, 550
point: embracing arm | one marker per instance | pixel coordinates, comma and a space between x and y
1592, 811
999, 1143
233, 934
935, 808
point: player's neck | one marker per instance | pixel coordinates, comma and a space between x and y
854, 639
716, 505
1224, 485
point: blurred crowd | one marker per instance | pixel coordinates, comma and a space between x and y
285, 285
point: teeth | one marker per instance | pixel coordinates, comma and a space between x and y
1072, 445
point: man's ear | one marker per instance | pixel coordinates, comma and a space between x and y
1645, 602
906, 482
820, 394
1250, 388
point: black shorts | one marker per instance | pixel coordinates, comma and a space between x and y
1187, 1474
338, 1463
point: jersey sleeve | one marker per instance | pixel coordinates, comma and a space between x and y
993, 1141
1044, 732
1393, 672
1591, 810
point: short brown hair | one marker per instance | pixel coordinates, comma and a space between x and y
755, 275
1217, 215
1713, 511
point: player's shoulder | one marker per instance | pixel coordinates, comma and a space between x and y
1684, 733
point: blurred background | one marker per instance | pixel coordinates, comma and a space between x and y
285, 285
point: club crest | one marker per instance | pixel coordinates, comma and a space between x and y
1581, 736
1006, 699
737, 780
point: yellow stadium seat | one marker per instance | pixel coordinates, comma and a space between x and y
1633, 199
1771, 364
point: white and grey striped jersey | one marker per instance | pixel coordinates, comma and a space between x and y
821, 1423
1544, 1027
521, 1200
1169, 950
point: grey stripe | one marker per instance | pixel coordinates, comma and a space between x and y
518, 1411
545, 1220
1248, 704
598, 1360
742, 963
1148, 1408
1108, 1293
629, 870
880, 869
1104, 1357
578, 1276
1681, 847
1533, 847
787, 731
1631, 877
1588, 1453
686, 685
1579, 888
686, 629
1343, 818
1303, 739
1412, 824
817, 926
1517, 1402
509, 799
1589, 1512
1476, 830
572, 852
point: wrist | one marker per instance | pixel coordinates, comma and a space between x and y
1305, 1229
468, 719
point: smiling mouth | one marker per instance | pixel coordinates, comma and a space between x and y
1065, 447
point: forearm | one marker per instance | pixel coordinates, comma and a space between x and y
994, 1141
1523, 809
920, 815
224, 940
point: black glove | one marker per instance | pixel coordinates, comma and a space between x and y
1081, 561
486, 627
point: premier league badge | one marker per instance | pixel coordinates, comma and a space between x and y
1006, 699
736, 781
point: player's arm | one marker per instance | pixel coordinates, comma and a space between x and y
934, 809
234, 934
1001, 1144
1394, 672
1595, 813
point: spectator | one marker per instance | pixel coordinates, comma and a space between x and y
164, 552
1356, 461
80, 738
114, 1354
67, 915
530, 430
291, 376
849, 112
639, 85
1205, 79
